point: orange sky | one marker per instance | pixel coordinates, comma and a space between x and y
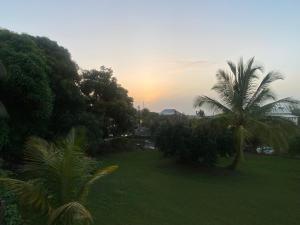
167, 52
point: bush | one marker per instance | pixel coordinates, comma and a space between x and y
294, 145
11, 214
199, 142
119, 144
4, 133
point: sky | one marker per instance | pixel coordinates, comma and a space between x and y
167, 52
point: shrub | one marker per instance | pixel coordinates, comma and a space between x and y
294, 145
10, 214
119, 144
4, 133
59, 177
198, 142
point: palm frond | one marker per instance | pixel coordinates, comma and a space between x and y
29, 193
240, 67
247, 81
76, 137
282, 129
212, 103
97, 175
60, 175
272, 131
284, 102
73, 165
70, 213
236, 91
42, 160
251, 68
232, 67
270, 78
37, 153
264, 85
265, 95
3, 112
62, 165
224, 86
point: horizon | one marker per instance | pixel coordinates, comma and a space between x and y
167, 53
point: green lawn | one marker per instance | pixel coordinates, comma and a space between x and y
151, 190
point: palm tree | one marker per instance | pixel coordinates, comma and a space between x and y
246, 103
59, 179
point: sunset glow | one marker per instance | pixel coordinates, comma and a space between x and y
166, 53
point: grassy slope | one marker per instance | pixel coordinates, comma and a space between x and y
150, 190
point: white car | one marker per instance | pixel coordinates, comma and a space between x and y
265, 150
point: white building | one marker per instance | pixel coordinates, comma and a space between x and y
284, 112
169, 112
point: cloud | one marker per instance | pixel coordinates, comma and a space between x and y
186, 66
192, 62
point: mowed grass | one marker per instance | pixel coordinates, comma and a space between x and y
150, 190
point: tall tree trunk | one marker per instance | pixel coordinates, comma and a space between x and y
239, 147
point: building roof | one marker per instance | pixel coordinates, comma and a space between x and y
282, 111
167, 112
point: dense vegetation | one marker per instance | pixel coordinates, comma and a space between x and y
59, 178
9, 211
45, 95
106, 99
25, 92
194, 141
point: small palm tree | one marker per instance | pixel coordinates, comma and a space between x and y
246, 104
60, 178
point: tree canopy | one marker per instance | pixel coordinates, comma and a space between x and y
63, 76
107, 99
25, 91
45, 95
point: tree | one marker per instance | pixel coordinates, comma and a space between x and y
247, 103
149, 120
25, 92
3, 112
107, 99
200, 113
60, 177
68, 102
4, 129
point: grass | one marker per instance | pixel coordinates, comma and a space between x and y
151, 190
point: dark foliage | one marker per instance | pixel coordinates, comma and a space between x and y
198, 142
42, 94
120, 144
69, 103
9, 211
294, 145
149, 120
25, 91
107, 99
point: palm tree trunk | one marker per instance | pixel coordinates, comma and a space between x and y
239, 146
